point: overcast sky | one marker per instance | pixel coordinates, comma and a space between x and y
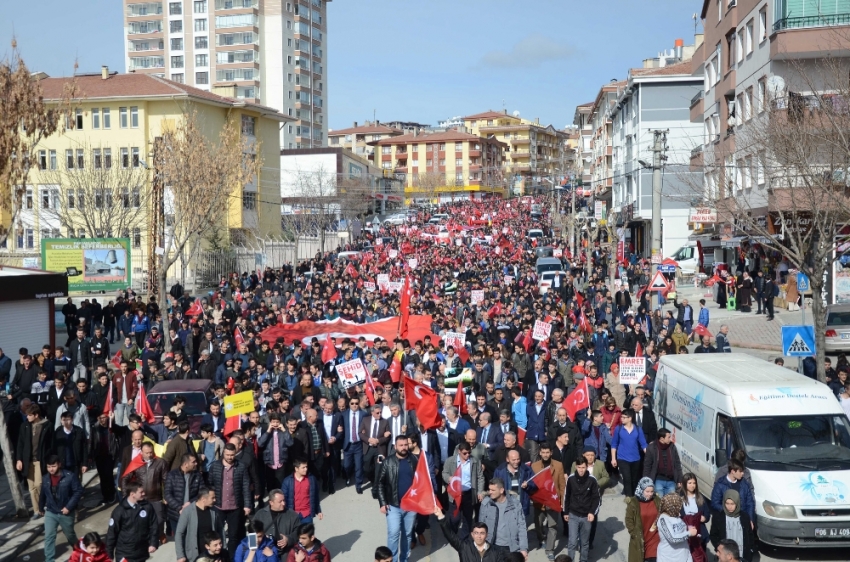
414, 61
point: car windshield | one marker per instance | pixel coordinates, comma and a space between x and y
838, 319
817, 442
196, 403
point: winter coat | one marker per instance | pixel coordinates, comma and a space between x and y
175, 488
635, 527
242, 551
652, 458
288, 489
187, 546
68, 493
241, 484
525, 474
131, 531
317, 554
466, 550
748, 504
718, 533
515, 519
81, 555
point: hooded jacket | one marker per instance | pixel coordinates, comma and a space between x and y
581, 495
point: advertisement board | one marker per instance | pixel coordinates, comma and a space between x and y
104, 263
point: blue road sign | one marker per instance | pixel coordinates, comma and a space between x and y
798, 341
803, 282
664, 268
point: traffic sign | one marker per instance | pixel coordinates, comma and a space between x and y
658, 283
798, 341
803, 284
667, 268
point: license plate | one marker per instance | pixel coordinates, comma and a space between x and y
832, 532
845, 336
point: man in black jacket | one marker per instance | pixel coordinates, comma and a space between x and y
71, 445
395, 477
26, 374
181, 488
104, 448
471, 548
132, 533
233, 500
581, 505
81, 356
645, 419
280, 523
31, 459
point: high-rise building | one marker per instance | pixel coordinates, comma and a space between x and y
270, 52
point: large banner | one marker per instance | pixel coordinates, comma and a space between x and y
419, 326
104, 263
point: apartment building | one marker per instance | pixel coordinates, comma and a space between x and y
581, 121
445, 165
271, 52
357, 137
77, 189
535, 154
654, 98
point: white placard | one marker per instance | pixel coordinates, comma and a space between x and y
509, 279
369, 286
351, 372
557, 253
395, 286
632, 369
542, 330
413, 262
393, 254
455, 339
379, 241
477, 296
458, 241
383, 278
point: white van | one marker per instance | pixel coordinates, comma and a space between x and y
795, 434
687, 257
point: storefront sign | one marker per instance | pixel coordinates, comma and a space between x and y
702, 215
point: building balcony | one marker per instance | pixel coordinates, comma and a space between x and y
386, 157
697, 111
697, 159
474, 153
520, 140
803, 37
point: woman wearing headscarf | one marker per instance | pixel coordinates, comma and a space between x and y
733, 524
673, 532
612, 383
642, 510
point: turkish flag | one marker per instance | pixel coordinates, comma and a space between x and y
527, 341
495, 310
195, 309
395, 366
336, 297
454, 489
135, 463
108, 408
143, 408
702, 331
638, 350
460, 400
546, 494
423, 399
520, 436
116, 360
291, 302
404, 307
369, 388
577, 400
420, 496
463, 354
231, 424
238, 338
584, 324
349, 270
328, 350
579, 299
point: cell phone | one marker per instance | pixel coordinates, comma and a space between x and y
252, 541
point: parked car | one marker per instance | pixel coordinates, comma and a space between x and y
195, 391
547, 280
837, 328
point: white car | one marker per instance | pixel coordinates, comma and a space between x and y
396, 220
535, 233
547, 280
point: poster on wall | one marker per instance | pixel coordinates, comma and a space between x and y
104, 264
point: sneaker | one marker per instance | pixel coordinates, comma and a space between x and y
550, 555
35, 516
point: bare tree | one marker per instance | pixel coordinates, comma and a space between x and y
427, 185
199, 175
787, 182
318, 199
355, 199
105, 198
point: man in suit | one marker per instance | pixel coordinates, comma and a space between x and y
506, 424
215, 417
132, 450
471, 487
397, 424
332, 426
351, 447
488, 434
374, 434
645, 419
535, 413
454, 422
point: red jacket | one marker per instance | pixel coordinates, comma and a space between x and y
319, 554
80, 555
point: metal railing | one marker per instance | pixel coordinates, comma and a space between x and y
696, 151
696, 98
811, 21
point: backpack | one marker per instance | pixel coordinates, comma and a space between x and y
775, 290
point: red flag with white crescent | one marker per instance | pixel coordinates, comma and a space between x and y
143, 407
460, 400
420, 496
238, 338
423, 399
546, 494
195, 309
577, 400
455, 490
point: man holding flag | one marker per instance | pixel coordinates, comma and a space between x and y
547, 500
396, 476
464, 479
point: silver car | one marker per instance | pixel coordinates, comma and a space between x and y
837, 328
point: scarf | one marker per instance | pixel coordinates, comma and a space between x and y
643, 484
665, 460
733, 519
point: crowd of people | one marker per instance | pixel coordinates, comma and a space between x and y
254, 490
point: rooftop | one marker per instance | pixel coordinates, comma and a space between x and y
365, 129
490, 114
452, 135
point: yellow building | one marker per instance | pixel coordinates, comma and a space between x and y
535, 155
444, 166
76, 190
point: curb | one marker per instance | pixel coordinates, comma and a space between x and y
759, 346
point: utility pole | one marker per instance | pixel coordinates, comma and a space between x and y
659, 146
573, 218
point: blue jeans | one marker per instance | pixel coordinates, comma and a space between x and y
305, 520
51, 523
664, 487
400, 526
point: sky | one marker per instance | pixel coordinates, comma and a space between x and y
423, 61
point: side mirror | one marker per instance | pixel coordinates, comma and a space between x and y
720, 457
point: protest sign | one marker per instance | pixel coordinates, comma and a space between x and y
351, 373
542, 330
632, 369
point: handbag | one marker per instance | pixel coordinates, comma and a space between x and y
730, 303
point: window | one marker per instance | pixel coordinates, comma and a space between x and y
81, 161
177, 62
238, 20
136, 198
762, 24
97, 159
458, 162
134, 117
45, 199
81, 199
69, 159
71, 199
175, 8
442, 146
760, 169
202, 78
748, 104
749, 37
42, 159
249, 200
52, 154
248, 125
177, 44
202, 42
415, 163
107, 158
201, 25
28, 199
200, 6
125, 158
95, 118
459, 177
98, 199
178, 77
107, 121
719, 10
176, 26
137, 237
202, 60
760, 96
135, 156
443, 162
429, 163
78, 122
122, 115
30, 233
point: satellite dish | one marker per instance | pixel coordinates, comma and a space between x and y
516, 113
776, 86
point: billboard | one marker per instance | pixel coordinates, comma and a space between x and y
104, 263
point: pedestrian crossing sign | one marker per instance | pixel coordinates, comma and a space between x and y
798, 341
